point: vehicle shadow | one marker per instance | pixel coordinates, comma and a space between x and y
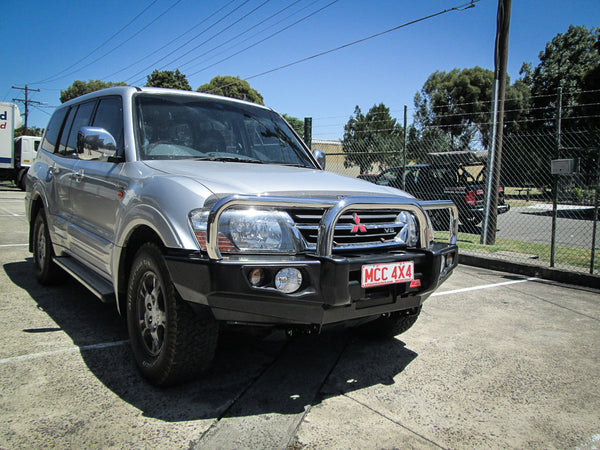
251, 375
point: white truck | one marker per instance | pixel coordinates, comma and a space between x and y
16, 154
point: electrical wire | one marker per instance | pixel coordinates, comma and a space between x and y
54, 77
247, 31
145, 69
124, 42
145, 57
217, 34
268, 37
461, 7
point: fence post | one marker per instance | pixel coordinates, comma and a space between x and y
595, 226
308, 131
556, 177
404, 154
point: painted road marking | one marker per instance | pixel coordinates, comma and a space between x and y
115, 344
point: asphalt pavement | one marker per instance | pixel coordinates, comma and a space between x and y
496, 360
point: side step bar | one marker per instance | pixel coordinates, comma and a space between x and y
97, 285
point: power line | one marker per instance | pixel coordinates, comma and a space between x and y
54, 77
186, 43
125, 41
262, 21
145, 57
217, 34
268, 37
462, 7
26, 101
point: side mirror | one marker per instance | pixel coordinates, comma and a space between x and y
320, 157
96, 143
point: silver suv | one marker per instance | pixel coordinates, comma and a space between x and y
192, 211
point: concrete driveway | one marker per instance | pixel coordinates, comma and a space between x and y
494, 361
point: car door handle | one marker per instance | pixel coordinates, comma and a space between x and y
78, 175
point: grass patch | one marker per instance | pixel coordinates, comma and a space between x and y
525, 251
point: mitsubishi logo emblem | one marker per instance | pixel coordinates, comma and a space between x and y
357, 226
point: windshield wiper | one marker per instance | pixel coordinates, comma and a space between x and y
302, 166
229, 159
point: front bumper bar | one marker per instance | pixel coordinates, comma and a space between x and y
331, 290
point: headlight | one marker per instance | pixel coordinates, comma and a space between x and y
408, 233
248, 230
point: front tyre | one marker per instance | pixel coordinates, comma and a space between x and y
170, 342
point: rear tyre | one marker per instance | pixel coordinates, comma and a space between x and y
171, 343
388, 326
46, 271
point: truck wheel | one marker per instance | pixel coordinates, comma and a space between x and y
171, 343
46, 271
21, 179
390, 325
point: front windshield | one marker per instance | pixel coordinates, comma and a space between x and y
186, 127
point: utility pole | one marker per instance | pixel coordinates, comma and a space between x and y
488, 237
26, 102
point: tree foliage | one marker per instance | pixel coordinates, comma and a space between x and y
234, 87
589, 98
297, 124
31, 131
459, 104
79, 88
168, 79
564, 63
372, 138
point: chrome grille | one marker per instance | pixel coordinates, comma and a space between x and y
353, 229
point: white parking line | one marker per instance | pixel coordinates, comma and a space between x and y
485, 286
64, 350
114, 344
14, 245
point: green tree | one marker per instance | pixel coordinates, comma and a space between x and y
589, 98
458, 103
168, 79
31, 131
297, 124
372, 138
79, 88
563, 63
421, 141
234, 87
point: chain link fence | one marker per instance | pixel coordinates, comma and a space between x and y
549, 220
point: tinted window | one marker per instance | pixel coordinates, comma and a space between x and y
51, 136
62, 148
109, 116
82, 119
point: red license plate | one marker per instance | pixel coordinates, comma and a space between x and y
389, 273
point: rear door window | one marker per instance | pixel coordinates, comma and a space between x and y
109, 116
83, 116
53, 130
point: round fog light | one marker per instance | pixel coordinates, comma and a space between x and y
256, 277
288, 280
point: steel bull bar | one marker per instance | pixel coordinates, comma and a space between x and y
335, 208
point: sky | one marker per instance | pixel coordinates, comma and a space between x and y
48, 45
